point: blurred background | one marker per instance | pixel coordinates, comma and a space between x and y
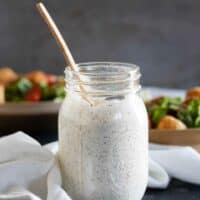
160, 36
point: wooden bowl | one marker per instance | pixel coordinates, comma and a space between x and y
187, 137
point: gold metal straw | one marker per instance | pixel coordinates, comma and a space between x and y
63, 46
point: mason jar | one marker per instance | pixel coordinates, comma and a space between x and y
103, 145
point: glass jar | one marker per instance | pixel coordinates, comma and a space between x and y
103, 148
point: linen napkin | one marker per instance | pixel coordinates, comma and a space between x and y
182, 163
29, 171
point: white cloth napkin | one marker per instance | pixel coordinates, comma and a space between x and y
166, 162
29, 171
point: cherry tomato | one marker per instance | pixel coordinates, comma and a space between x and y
34, 95
51, 79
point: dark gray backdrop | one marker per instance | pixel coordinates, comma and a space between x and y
162, 36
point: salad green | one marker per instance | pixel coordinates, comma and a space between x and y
25, 90
188, 113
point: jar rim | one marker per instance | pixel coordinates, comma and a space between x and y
127, 68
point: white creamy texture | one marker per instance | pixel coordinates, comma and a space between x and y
103, 150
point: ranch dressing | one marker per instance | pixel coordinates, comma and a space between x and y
103, 149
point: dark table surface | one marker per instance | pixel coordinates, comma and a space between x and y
177, 190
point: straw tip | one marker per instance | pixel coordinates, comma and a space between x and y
38, 2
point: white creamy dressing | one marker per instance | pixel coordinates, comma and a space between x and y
103, 149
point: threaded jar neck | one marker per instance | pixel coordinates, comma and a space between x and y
104, 79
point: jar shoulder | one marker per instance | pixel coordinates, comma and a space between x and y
129, 104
